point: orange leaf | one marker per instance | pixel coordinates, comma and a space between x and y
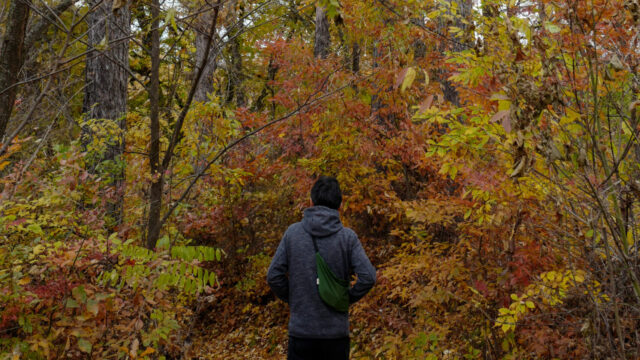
148, 351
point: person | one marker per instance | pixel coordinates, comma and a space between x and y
317, 331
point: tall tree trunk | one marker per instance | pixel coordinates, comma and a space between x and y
376, 104
205, 86
464, 10
322, 38
355, 57
107, 76
159, 167
235, 74
12, 58
155, 193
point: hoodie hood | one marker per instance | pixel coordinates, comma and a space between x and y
321, 221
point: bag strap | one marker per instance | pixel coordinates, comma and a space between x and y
315, 243
315, 246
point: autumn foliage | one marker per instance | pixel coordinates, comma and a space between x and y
488, 153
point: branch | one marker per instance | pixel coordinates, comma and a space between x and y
219, 155
420, 25
183, 114
39, 27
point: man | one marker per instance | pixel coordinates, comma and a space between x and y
317, 331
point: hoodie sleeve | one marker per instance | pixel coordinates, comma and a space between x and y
277, 275
362, 267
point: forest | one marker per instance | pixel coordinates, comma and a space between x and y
153, 153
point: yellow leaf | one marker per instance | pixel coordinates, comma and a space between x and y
506, 327
38, 249
530, 304
408, 79
24, 281
551, 275
4, 164
426, 78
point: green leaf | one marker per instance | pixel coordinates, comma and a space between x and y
71, 304
92, 307
552, 28
35, 228
218, 254
79, 294
163, 243
84, 345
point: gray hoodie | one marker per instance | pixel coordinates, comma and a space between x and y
292, 274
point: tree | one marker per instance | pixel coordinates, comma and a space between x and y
107, 66
12, 58
235, 73
205, 86
159, 166
106, 77
322, 37
457, 19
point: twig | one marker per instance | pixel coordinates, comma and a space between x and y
306, 104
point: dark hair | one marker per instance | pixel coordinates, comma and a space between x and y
326, 192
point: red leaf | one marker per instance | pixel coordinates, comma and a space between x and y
400, 78
426, 104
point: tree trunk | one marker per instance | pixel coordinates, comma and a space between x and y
107, 76
355, 57
157, 176
323, 38
464, 10
12, 58
234, 72
205, 86
376, 103
107, 67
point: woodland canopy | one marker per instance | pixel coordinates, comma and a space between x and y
153, 152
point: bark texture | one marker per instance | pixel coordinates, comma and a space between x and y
12, 58
205, 86
235, 74
107, 75
107, 66
322, 38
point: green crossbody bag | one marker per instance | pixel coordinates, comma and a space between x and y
333, 290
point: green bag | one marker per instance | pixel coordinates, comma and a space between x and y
333, 290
